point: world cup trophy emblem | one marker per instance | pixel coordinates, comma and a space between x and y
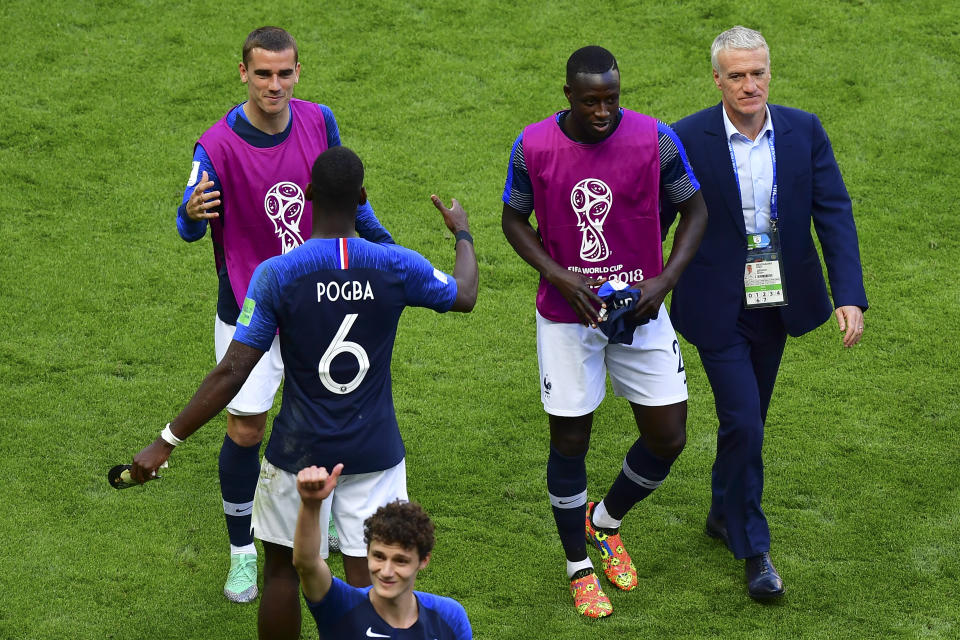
591, 200
284, 206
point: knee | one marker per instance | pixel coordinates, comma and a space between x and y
663, 429
246, 431
742, 432
570, 436
670, 445
676, 445
278, 564
669, 437
570, 444
356, 571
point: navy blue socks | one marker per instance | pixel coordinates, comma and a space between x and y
239, 470
642, 472
567, 485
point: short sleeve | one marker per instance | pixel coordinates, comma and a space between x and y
424, 284
677, 180
257, 322
518, 190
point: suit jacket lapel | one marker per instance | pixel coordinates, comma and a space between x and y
720, 167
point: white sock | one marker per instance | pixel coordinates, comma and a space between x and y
247, 548
573, 567
603, 519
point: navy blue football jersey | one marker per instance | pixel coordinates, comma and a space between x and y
336, 303
346, 612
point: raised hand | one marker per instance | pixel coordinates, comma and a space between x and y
315, 484
454, 217
200, 203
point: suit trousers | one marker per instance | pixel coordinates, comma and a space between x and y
742, 375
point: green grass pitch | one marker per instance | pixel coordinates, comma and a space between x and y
106, 315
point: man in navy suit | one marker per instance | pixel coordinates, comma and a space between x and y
766, 172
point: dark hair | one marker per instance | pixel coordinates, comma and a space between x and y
271, 39
592, 59
337, 178
402, 523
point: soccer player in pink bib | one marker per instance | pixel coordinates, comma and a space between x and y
594, 176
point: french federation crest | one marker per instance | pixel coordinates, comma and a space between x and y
284, 204
591, 200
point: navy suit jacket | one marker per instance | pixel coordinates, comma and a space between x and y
709, 296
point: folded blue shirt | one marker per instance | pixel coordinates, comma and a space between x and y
619, 322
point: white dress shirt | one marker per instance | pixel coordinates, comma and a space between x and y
754, 168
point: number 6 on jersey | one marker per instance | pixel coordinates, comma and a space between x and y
340, 345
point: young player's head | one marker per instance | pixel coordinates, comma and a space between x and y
399, 539
336, 182
402, 523
593, 91
269, 39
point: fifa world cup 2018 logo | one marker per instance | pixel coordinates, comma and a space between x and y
591, 200
284, 205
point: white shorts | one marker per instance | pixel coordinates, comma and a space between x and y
257, 393
575, 359
277, 504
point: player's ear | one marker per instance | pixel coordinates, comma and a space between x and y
424, 561
243, 73
363, 195
308, 194
567, 91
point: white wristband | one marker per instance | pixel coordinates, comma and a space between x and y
168, 436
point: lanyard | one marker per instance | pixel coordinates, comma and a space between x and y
773, 189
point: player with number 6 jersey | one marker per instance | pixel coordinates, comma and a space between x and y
247, 185
336, 301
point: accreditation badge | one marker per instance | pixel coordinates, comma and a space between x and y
763, 273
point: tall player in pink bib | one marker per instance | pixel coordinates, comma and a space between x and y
594, 176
